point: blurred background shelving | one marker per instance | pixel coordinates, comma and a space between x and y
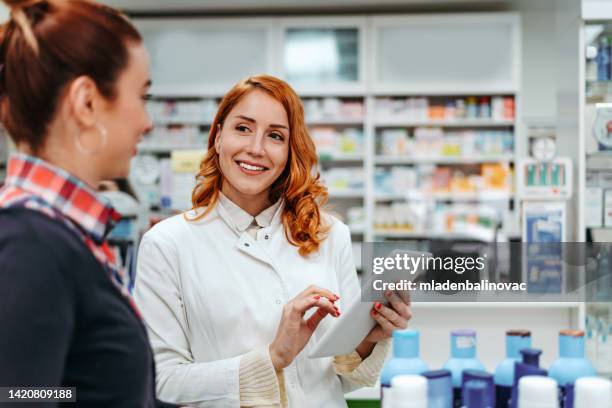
420, 121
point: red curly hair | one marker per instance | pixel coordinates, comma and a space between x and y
299, 185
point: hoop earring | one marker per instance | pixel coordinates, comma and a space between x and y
103, 137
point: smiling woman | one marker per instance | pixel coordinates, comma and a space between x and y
73, 79
260, 123
233, 290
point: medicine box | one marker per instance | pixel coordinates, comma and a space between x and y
593, 198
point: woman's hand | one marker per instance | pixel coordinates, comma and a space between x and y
389, 318
293, 331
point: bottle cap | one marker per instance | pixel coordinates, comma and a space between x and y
537, 392
572, 333
409, 391
464, 333
406, 343
518, 333
592, 392
531, 356
435, 374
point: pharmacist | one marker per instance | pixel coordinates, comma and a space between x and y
233, 290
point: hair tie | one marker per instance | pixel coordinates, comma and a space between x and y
21, 19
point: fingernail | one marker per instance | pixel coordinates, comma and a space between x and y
317, 297
377, 305
337, 297
373, 312
338, 313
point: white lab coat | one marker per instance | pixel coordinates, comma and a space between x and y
210, 294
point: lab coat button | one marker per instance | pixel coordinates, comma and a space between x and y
246, 244
266, 237
278, 301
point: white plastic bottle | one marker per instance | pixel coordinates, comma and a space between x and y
408, 391
537, 392
592, 392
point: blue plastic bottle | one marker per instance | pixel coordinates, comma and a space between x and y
488, 400
405, 361
504, 373
463, 357
475, 394
571, 363
439, 389
529, 366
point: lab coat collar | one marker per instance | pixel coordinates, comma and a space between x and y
240, 220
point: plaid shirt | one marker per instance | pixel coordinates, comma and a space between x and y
35, 184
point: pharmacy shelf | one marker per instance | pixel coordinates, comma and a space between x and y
167, 149
458, 123
433, 89
446, 196
599, 161
182, 121
335, 122
341, 157
485, 235
397, 159
357, 230
346, 194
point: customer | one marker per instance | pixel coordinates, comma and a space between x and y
73, 79
233, 290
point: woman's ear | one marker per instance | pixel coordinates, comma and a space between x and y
218, 139
82, 98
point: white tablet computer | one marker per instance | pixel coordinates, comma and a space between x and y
354, 324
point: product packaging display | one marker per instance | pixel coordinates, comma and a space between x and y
537, 392
344, 180
172, 111
550, 180
405, 360
437, 143
475, 394
463, 357
504, 373
486, 398
439, 388
332, 142
592, 392
571, 364
445, 109
529, 366
333, 109
407, 391
532, 387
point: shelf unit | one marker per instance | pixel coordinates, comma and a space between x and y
594, 166
363, 82
490, 320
